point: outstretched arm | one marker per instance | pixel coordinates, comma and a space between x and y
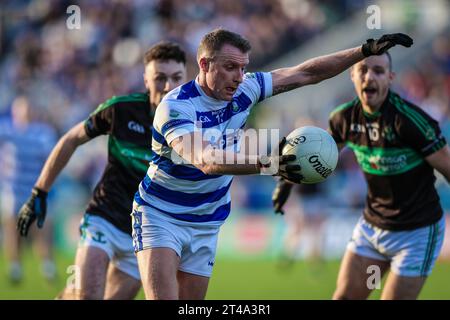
314, 70
324, 67
60, 155
36, 206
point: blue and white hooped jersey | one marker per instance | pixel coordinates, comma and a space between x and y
181, 191
23, 154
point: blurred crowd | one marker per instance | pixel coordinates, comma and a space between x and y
427, 84
67, 72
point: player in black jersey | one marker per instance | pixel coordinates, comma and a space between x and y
397, 145
105, 256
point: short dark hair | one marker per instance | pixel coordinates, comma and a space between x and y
165, 51
214, 41
390, 60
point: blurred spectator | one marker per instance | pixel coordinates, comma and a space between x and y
24, 147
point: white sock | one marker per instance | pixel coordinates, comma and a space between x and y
15, 270
48, 268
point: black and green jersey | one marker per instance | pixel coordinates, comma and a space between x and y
390, 147
128, 122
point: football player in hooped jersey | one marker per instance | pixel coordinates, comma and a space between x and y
105, 257
178, 209
397, 145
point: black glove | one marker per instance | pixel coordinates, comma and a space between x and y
387, 41
34, 208
288, 171
280, 195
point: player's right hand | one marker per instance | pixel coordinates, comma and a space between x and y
280, 195
34, 208
288, 171
281, 165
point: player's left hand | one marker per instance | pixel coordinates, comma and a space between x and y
387, 41
280, 195
34, 208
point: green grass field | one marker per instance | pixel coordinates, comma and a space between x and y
232, 279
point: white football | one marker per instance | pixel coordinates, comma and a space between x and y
316, 152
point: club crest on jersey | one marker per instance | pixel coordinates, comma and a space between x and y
174, 114
430, 134
388, 134
235, 107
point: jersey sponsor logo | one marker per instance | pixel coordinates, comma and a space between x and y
388, 163
136, 127
356, 127
319, 167
130, 153
204, 119
211, 263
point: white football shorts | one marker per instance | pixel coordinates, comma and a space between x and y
411, 253
118, 245
194, 244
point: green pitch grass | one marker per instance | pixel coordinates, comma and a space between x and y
232, 279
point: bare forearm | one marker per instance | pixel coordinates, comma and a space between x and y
57, 160
231, 169
60, 155
230, 163
325, 67
440, 161
214, 161
446, 173
314, 70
